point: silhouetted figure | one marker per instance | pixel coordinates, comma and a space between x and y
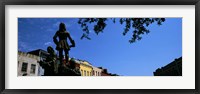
62, 44
74, 68
51, 59
49, 64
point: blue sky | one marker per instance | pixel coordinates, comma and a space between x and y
109, 49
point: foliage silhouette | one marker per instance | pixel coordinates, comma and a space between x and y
139, 26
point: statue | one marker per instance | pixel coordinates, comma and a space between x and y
74, 68
51, 68
56, 67
51, 59
62, 44
70, 69
49, 63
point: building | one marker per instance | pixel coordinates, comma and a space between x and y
41, 53
27, 64
96, 71
85, 68
76, 62
105, 72
172, 69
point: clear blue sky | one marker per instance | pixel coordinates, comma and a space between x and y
109, 49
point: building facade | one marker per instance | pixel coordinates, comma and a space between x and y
172, 69
105, 73
42, 54
96, 71
27, 64
86, 68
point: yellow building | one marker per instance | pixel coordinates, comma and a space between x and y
86, 68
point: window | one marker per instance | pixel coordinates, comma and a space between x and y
24, 67
96, 74
33, 68
84, 73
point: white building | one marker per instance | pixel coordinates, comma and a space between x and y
27, 64
96, 71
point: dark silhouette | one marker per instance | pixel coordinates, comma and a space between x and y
50, 64
51, 68
62, 44
172, 69
138, 26
69, 70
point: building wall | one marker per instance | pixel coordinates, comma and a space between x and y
29, 60
97, 71
105, 72
43, 55
172, 69
86, 69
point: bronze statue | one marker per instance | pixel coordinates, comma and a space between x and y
49, 64
62, 44
51, 60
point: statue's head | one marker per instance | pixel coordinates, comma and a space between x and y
50, 50
62, 27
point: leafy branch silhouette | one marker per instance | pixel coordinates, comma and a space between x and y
138, 25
